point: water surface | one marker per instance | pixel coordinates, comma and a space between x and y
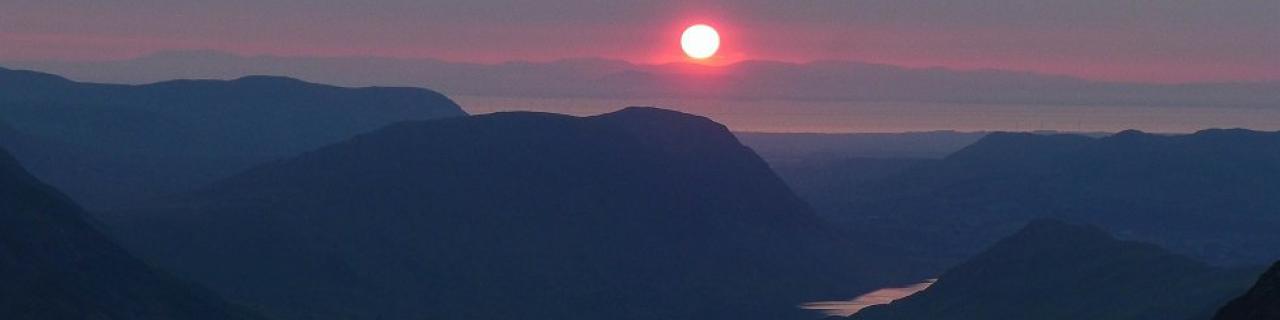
878, 297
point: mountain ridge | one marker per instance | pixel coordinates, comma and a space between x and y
626, 215
56, 265
1261, 302
1139, 186
1055, 270
174, 135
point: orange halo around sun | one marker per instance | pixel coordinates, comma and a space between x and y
700, 41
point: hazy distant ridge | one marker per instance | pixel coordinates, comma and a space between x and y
110, 144
600, 78
1209, 195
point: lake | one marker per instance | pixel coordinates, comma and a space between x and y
878, 297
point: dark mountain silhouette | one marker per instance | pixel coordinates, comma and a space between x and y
1262, 302
1054, 270
637, 214
175, 135
1208, 194
55, 265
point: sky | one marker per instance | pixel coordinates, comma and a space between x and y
1162, 41
794, 65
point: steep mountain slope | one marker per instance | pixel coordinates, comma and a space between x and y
1208, 194
176, 135
1054, 270
55, 265
638, 214
1262, 302
89, 173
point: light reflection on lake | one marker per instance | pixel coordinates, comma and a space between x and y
878, 297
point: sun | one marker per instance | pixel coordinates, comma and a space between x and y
700, 41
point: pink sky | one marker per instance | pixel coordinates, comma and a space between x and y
1156, 41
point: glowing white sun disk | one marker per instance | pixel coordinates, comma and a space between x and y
700, 41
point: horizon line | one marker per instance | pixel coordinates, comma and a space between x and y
714, 65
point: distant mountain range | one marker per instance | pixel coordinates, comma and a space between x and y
55, 264
828, 183
310, 201
638, 214
1054, 270
748, 80
802, 148
175, 135
827, 167
1262, 302
1208, 194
